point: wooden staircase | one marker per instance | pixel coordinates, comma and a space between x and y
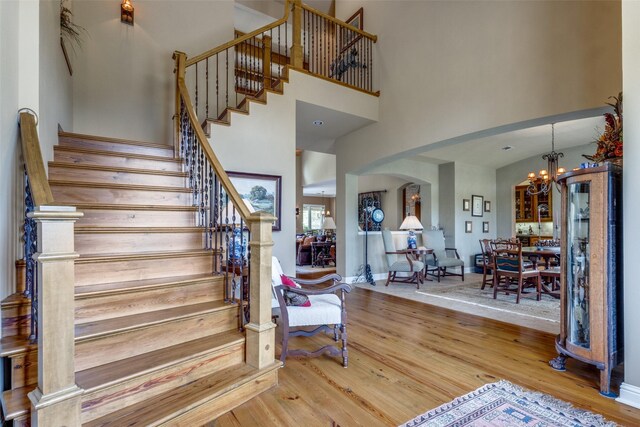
155, 342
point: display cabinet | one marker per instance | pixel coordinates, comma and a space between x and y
526, 205
591, 280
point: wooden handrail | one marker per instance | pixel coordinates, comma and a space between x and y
208, 152
40, 189
341, 23
243, 38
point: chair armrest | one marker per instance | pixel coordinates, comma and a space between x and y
454, 250
345, 287
335, 277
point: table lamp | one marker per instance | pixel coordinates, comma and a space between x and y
328, 224
411, 223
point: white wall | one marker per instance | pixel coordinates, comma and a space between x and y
481, 181
630, 389
317, 167
511, 175
9, 148
123, 76
55, 91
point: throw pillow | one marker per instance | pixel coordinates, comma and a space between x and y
292, 298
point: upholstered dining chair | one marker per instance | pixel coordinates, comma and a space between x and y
326, 311
401, 262
442, 257
508, 263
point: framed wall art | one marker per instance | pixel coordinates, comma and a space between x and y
264, 192
477, 205
349, 37
466, 204
485, 226
487, 206
468, 227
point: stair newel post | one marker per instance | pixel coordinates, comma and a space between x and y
180, 59
296, 49
260, 330
266, 62
56, 400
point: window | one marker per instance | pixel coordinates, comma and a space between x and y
312, 217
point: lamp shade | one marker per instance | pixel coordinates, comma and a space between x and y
411, 222
328, 223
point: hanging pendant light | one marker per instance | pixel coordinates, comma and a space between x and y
541, 183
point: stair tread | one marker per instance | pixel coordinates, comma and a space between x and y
167, 406
88, 258
16, 402
116, 153
115, 206
105, 375
111, 139
17, 298
116, 169
125, 323
68, 183
130, 286
12, 345
98, 229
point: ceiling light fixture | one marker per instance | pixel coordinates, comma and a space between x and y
318, 122
126, 12
541, 184
507, 148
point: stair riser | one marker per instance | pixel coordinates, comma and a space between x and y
98, 351
72, 194
214, 408
103, 402
116, 161
24, 369
125, 304
115, 147
126, 270
105, 243
131, 218
16, 320
102, 176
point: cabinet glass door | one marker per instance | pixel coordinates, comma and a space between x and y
578, 256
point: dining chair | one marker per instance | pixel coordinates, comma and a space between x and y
487, 262
509, 264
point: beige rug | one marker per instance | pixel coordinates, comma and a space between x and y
468, 298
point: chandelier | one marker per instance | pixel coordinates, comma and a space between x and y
541, 184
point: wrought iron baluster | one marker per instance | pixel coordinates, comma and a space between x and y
227, 77
30, 248
206, 79
196, 88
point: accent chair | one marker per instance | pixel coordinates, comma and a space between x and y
442, 257
327, 311
401, 264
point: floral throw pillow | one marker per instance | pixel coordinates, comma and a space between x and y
292, 298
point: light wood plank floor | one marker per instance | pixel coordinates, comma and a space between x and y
405, 358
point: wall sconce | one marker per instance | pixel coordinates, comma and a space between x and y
126, 12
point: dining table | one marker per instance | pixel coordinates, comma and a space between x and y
546, 253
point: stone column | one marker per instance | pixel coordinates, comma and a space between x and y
56, 400
260, 329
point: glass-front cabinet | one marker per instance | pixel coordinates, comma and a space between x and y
591, 310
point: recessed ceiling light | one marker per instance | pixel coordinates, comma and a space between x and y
507, 148
318, 122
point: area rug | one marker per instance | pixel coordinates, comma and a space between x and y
547, 308
504, 404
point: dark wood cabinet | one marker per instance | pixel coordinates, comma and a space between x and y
526, 206
591, 273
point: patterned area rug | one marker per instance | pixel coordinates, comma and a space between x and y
503, 404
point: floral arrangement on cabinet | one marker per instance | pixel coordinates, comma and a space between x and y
610, 142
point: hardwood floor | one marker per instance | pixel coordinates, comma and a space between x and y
405, 358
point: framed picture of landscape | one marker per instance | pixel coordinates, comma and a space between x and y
263, 192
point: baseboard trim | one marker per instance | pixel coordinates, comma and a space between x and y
629, 395
352, 279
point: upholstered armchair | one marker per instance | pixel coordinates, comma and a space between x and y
326, 311
304, 251
401, 262
443, 258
